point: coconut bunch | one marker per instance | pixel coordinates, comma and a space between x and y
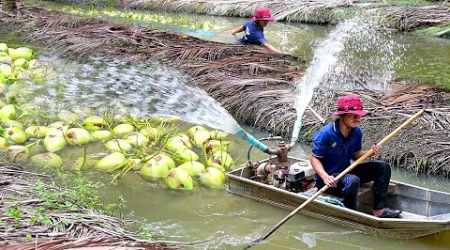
19, 63
181, 166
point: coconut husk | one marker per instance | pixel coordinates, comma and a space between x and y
256, 87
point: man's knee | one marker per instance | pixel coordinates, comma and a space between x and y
384, 168
351, 184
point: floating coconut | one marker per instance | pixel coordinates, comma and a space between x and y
8, 112
213, 146
178, 143
178, 178
18, 153
22, 52
54, 140
193, 168
135, 164
122, 129
118, 145
3, 144
157, 167
12, 123
185, 155
47, 160
161, 158
83, 163
101, 135
212, 178
20, 63
111, 162
15, 135
3, 47
220, 160
93, 122
199, 135
218, 135
36, 131
137, 139
77, 136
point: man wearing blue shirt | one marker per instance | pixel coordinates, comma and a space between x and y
339, 142
254, 30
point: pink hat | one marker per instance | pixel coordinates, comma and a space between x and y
350, 104
263, 14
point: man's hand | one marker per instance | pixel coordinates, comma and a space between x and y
376, 149
329, 180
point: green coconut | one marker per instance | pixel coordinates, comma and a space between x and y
199, 136
47, 160
155, 168
111, 162
15, 135
3, 88
18, 153
137, 139
3, 144
161, 158
83, 163
123, 129
178, 178
6, 59
20, 63
67, 116
22, 52
101, 135
177, 143
6, 70
54, 140
220, 160
185, 155
36, 131
8, 112
118, 145
213, 146
12, 123
77, 136
135, 164
93, 122
193, 168
212, 178
153, 133
3, 47
218, 135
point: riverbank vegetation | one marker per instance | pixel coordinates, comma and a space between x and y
58, 209
259, 92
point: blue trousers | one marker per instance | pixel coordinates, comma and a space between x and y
377, 171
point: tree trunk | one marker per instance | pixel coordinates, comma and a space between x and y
9, 5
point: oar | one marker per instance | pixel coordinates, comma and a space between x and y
346, 171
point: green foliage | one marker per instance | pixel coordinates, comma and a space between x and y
432, 31
340, 15
406, 3
13, 213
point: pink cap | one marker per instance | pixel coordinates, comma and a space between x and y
350, 104
263, 14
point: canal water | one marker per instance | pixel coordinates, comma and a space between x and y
206, 218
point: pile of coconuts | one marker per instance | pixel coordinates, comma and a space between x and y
151, 146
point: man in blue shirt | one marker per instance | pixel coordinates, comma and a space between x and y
339, 142
254, 30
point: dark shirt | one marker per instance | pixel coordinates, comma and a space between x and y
253, 34
333, 149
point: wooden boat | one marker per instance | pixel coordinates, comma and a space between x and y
425, 211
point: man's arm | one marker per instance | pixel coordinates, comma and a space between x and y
237, 30
329, 180
376, 150
272, 49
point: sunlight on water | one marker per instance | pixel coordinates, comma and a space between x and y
123, 88
354, 55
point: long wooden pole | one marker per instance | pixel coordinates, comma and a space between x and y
346, 171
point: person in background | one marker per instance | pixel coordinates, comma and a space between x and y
339, 142
254, 30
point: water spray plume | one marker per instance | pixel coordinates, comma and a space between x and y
333, 63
